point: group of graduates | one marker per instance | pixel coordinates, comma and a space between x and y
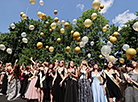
57, 82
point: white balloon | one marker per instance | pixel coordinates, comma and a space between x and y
105, 63
89, 55
31, 27
12, 25
105, 50
85, 39
82, 44
25, 40
23, 34
74, 21
125, 47
109, 44
111, 59
92, 43
41, 2
9, 50
135, 26
2, 47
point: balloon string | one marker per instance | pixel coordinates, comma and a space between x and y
27, 9
36, 11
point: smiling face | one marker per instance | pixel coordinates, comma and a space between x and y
110, 64
61, 63
96, 66
71, 64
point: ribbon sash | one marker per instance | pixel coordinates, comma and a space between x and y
126, 76
112, 78
61, 75
98, 77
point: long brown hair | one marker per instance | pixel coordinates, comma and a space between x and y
17, 71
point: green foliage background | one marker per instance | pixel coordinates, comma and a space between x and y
23, 51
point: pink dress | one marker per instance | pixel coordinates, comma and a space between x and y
31, 92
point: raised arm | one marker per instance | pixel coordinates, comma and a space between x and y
15, 62
32, 60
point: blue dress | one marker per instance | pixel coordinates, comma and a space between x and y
97, 89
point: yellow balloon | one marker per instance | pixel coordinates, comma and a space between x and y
101, 6
53, 25
110, 37
39, 45
111, 59
100, 56
32, 2
131, 53
58, 39
87, 23
94, 16
66, 25
56, 19
107, 26
104, 29
51, 48
21, 14
24, 16
72, 32
50, 30
58, 22
47, 47
43, 16
62, 22
42, 34
55, 12
113, 39
121, 60
67, 48
77, 49
78, 38
39, 14
76, 34
62, 30
47, 23
115, 34
96, 4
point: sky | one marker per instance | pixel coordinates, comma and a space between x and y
117, 11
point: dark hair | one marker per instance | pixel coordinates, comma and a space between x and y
122, 69
113, 67
99, 68
92, 63
130, 65
17, 71
69, 65
27, 68
134, 59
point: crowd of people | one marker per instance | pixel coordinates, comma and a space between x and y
57, 82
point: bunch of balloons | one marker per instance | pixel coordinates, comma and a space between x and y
41, 15
23, 15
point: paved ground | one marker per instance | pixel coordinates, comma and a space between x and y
3, 99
